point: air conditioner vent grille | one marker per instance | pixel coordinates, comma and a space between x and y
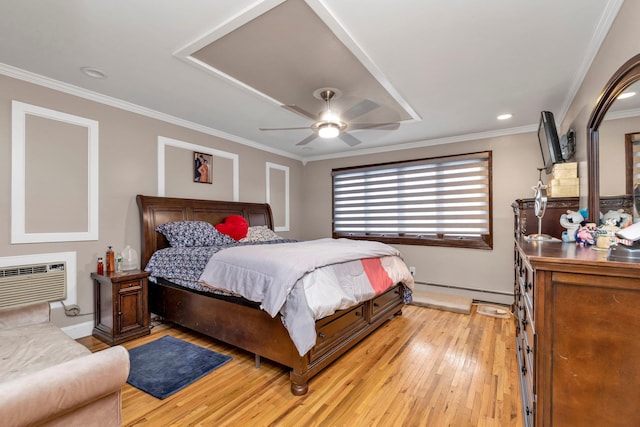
32, 283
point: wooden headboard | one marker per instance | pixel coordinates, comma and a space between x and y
155, 211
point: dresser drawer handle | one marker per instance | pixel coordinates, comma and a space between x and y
358, 314
528, 286
528, 349
375, 304
524, 370
322, 335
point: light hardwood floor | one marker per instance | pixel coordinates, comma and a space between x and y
424, 368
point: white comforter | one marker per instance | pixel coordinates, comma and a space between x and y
304, 281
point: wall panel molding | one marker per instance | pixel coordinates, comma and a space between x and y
285, 169
163, 142
19, 113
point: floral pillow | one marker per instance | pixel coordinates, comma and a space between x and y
185, 234
260, 233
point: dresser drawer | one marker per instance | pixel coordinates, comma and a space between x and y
528, 355
529, 409
525, 381
526, 279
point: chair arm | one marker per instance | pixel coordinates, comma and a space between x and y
59, 389
24, 315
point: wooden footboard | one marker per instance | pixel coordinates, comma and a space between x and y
253, 330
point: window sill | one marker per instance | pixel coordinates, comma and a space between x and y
484, 242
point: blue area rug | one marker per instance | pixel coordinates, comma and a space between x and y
167, 365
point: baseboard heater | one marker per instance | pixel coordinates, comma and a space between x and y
24, 284
462, 288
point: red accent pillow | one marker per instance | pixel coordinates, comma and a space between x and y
234, 226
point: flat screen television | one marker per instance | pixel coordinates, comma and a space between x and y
549, 141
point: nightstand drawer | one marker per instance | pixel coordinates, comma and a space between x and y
133, 286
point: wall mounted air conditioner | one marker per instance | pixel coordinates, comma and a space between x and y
24, 284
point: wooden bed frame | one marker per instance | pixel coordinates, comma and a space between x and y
244, 325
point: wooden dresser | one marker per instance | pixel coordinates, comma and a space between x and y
576, 319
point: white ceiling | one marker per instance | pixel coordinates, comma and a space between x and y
453, 65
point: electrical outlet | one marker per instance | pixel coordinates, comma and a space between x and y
412, 270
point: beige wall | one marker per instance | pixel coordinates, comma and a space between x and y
515, 159
128, 166
514, 173
621, 43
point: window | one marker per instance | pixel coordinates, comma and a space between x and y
442, 201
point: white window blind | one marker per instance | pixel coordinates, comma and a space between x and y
444, 198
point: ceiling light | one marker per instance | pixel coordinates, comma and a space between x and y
93, 72
328, 130
626, 95
505, 116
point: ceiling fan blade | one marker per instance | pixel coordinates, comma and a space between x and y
349, 139
360, 109
300, 111
374, 126
306, 127
308, 139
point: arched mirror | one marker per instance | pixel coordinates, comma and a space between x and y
626, 76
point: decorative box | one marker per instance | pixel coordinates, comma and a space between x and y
564, 187
565, 170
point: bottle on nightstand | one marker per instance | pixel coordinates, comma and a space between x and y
110, 257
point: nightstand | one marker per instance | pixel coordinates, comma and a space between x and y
121, 307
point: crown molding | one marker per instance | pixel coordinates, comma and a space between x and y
604, 25
59, 86
425, 143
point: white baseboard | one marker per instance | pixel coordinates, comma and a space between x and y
476, 295
80, 330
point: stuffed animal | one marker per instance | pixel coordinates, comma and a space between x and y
618, 218
605, 234
586, 234
572, 220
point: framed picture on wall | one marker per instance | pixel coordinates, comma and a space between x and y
202, 164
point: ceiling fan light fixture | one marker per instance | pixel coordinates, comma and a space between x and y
328, 130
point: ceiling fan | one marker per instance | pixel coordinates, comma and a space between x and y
330, 125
